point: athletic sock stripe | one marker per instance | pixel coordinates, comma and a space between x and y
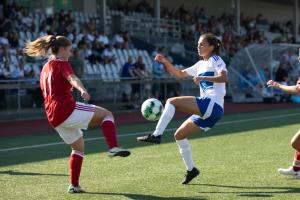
80, 106
85, 107
88, 110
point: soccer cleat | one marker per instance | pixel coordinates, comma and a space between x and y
289, 171
118, 151
190, 175
150, 138
75, 189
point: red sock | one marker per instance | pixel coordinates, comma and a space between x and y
297, 159
109, 132
76, 159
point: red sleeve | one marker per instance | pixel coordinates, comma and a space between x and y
66, 70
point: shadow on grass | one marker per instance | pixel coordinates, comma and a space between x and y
231, 124
18, 173
145, 197
267, 193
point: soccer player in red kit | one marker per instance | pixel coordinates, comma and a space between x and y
67, 116
293, 170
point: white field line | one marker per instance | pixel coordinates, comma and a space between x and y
147, 132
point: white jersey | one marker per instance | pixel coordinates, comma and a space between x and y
212, 67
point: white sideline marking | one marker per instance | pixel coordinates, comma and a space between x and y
147, 132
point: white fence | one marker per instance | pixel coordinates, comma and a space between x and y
252, 66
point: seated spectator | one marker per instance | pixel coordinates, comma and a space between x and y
118, 41
97, 51
103, 39
3, 39
281, 75
108, 56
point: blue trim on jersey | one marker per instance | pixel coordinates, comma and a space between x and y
216, 58
209, 122
202, 104
204, 85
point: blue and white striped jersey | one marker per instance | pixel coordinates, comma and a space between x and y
212, 67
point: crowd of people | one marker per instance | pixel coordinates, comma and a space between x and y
197, 21
89, 44
254, 30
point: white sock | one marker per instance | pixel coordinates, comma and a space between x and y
165, 119
186, 153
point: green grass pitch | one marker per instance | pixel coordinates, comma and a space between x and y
238, 159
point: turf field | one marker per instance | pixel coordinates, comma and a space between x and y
238, 159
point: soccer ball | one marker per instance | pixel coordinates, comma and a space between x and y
152, 109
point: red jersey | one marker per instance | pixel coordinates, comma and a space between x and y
58, 100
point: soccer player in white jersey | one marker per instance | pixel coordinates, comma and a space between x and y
293, 170
210, 74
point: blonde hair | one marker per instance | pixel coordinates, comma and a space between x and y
42, 45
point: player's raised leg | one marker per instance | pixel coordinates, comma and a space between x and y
294, 170
105, 119
188, 127
185, 104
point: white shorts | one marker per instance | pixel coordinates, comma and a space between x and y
71, 129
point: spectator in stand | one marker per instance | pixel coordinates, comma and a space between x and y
103, 39
118, 41
108, 56
3, 39
144, 74
282, 74
127, 74
157, 71
97, 51
127, 40
77, 63
13, 39
136, 87
144, 7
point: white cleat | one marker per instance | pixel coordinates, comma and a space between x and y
72, 189
118, 151
289, 171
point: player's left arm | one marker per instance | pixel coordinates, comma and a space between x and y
220, 78
76, 83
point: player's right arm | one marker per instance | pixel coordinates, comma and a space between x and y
170, 68
293, 89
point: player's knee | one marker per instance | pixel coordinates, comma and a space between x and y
178, 135
108, 113
171, 101
295, 144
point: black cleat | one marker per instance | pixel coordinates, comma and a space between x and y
118, 151
190, 175
150, 138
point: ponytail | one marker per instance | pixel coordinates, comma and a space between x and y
42, 45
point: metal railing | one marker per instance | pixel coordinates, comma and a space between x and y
23, 94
